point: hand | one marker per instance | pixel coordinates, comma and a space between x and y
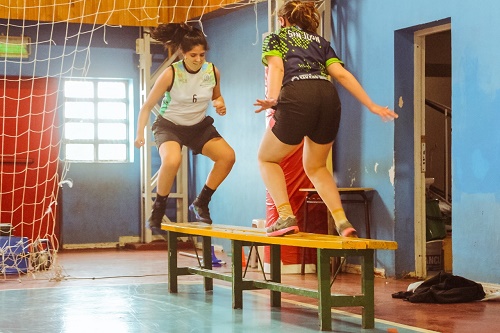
139, 141
265, 104
384, 112
220, 107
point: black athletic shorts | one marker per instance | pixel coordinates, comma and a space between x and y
193, 137
307, 108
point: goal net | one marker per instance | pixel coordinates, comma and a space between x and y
41, 43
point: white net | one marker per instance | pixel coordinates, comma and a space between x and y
41, 43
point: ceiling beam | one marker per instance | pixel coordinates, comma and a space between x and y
145, 13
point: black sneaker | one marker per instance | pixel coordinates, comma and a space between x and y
157, 214
202, 213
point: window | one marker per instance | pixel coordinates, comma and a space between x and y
97, 122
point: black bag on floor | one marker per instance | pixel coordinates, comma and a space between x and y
447, 288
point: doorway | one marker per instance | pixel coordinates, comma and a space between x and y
432, 137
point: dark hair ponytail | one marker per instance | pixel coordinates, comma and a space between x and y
303, 14
179, 36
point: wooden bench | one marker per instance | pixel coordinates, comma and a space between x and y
327, 246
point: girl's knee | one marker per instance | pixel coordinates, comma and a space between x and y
230, 157
170, 163
310, 170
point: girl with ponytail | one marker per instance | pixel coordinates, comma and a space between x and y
187, 87
300, 63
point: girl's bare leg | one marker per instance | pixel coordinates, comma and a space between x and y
314, 160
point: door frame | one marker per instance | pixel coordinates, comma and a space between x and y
419, 144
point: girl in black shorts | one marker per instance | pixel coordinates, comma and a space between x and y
187, 87
307, 108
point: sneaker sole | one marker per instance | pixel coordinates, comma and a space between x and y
283, 232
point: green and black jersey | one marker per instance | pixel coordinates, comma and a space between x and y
305, 56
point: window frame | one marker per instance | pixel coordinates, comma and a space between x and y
96, 121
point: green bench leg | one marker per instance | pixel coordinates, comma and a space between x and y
368, 289
275, 273
237, 271
172, 262
324, 291
207, 262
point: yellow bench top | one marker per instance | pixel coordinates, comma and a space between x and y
258, 235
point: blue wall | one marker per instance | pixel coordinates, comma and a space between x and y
372, 33
113, 189
375, 40
476, 141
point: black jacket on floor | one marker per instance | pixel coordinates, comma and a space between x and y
444, 288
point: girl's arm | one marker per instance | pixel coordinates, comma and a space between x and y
275, 74
349, 82
161, 85
217, 99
